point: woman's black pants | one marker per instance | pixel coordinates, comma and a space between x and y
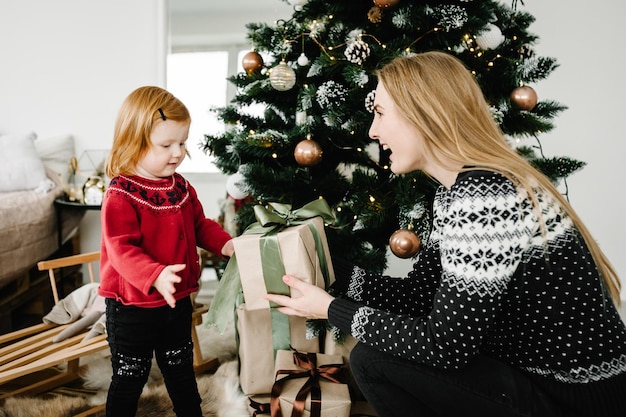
486, 387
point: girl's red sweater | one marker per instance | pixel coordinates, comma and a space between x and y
147, 225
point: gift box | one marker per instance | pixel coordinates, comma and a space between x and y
283, 242
310, 384
343, 348
261, 334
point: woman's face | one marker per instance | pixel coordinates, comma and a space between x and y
394, 132
167, 150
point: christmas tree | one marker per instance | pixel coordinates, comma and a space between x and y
314, 76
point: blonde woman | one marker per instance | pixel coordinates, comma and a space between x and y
510, 309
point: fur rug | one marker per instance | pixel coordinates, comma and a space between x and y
221, 395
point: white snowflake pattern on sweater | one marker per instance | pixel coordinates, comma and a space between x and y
490, 280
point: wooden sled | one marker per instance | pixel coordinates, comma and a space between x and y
31, 363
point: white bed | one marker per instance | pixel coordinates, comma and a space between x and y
28, 218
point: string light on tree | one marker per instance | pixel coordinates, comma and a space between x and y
308, 153
282, 77
524, 97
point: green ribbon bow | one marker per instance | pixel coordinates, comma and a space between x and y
277, 216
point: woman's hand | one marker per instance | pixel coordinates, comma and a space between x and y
307, 301
164, 283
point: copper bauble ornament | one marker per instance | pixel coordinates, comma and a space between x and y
524, 97
252, 62
282, 77
404, 243
386, 3
308, 153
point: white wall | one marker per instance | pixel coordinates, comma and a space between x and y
587, 43
68, 64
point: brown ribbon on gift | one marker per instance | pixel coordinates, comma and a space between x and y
259, 408
308, 361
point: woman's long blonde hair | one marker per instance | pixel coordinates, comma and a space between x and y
441, 98
141, 109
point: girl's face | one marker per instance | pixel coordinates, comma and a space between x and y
394, 132
167, 150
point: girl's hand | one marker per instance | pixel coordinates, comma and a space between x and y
164, 283
228, 249
312, 302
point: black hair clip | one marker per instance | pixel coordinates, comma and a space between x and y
162, 115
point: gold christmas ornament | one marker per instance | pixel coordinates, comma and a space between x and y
308, 153
404, 243
252, 62
524, 97
386, 3
282, 77
375, 14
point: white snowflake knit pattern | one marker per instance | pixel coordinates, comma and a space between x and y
488, 281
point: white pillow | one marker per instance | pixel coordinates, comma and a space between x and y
55, 153
20, 166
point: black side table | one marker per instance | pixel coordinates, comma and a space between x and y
61, 204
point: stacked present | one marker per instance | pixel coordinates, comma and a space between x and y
292, 242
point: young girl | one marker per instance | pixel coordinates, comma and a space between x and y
510, 309
152, 223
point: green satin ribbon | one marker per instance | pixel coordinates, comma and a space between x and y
278, 216
227, 298
271, 221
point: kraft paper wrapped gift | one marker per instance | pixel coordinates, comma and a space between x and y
258, 342
304, 376
344, 348
284, 241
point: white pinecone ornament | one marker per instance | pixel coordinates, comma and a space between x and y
357, 52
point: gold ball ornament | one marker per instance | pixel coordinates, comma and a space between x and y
404, 243
308, 153
524, 97
282, 77
375, 15
252, 62
386, 3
